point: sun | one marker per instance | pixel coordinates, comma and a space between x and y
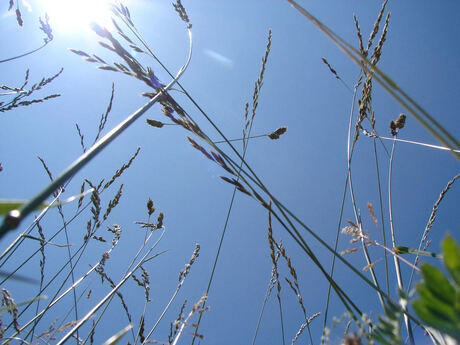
74, 16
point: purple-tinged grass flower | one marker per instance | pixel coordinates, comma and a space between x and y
153, 80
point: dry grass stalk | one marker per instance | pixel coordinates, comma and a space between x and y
360, 37
375, 29
114, 202
303, 326
42, 251
259, 82
365, 102
435, 210
120, 171
144, 282
82, 138
272, 244
100, 270
378, 48
295, 288
333, 71
175, 325
198, 308
105, 115
19, 100
141, 331
8, 301
183, 273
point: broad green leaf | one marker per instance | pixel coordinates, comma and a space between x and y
439, 299
437, 284
452, 258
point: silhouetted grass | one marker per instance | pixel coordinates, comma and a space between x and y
68, 278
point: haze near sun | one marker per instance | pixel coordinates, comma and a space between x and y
74, 16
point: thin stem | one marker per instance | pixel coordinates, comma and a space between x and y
25, 54
382, 217
241, 139
402, 302
411, 142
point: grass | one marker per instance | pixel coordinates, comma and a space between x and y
68, 285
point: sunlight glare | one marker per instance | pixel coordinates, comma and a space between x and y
74, 16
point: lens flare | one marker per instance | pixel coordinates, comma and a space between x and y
70, 16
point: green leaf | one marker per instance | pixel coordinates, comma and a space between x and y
437, 284
439, 299
406, 250
7, 205
452, 258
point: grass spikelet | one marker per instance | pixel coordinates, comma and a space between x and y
116, 230
113, 203
278, 133
259, 82
98, 238
143, 282
360, 37
237, 184
348, 251
367, 267
19, 17
82, 141
333, 71
182, 13
375, 29
371, 211
150, 207
175, 325
104, 276
105, 115
198, 308
160, 221
42, 251
8, 301
436, 207
376, 54
395, 126
19, 100
46, 28
183, 273
154, 123
120, 171
96, 208
303, 326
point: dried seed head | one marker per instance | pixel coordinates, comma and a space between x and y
160, 220
395, 126
401, 121
279, 132
150, 207
154, 123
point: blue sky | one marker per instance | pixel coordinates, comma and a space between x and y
305, 169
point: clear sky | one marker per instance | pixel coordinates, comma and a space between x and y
305, 169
